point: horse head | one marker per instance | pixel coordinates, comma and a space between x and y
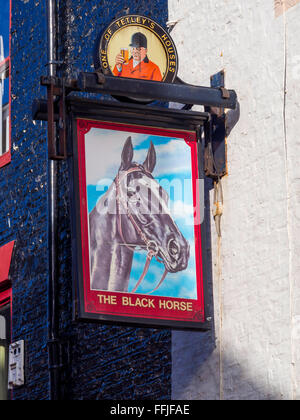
144, 218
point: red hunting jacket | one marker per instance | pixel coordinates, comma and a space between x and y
145, 70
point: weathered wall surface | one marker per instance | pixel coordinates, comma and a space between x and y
104, 362
292, 106
253, 351
23, 190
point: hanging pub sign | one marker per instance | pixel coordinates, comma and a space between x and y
139, 223
138, 220
137, 47
138, 182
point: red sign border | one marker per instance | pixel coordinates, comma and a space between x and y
90, 300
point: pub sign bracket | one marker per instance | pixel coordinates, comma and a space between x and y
79, 116
215, 99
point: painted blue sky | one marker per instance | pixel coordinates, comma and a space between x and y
173, 161
4, 24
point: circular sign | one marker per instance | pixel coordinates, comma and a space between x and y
137, 47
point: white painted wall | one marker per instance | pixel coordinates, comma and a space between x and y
254, 350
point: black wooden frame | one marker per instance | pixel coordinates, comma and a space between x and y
137, 115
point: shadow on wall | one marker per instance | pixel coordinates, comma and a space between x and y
196, 373
194, 359
199, 371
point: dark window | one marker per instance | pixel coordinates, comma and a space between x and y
5, 129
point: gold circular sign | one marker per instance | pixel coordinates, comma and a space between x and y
137, 47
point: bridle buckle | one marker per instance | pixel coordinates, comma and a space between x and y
152, 248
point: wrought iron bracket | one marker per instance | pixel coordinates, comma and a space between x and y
215, 99
145, 89
215, 153
56, 97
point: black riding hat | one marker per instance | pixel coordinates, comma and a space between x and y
138, 40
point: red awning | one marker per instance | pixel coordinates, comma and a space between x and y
5, 260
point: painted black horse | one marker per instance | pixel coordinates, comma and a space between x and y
133, 214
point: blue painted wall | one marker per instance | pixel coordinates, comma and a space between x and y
4, 32
4, 25
104, 362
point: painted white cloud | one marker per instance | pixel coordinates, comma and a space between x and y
104, 161
172, 156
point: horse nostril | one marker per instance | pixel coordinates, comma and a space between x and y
174, 249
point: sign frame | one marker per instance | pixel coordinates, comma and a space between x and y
167, 122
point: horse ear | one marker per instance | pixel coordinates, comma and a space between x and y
150, 161
127, 154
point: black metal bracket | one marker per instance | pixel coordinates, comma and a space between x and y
214, 98
145, 89
56, 94
215, 153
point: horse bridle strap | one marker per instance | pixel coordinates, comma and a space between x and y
150, 244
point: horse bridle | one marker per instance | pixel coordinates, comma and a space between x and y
151, 245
